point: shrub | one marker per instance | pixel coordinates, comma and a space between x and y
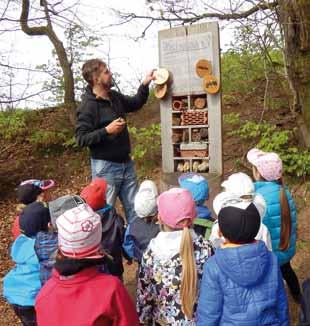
271, 139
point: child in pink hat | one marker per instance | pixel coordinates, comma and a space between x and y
78, 293
281, 215
171, 267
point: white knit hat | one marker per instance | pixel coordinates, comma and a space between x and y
79, 232
239, 183
227, 198
145, 200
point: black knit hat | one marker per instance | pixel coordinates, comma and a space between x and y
34, 218
239, 225
28, 193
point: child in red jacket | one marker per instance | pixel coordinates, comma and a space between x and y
77, 293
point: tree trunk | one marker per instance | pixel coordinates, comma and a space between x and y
69, 96
295, 22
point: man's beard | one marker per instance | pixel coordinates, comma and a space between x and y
108, 85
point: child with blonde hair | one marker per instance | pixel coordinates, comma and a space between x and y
281, 215
171, 267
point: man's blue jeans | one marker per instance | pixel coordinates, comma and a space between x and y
122, 183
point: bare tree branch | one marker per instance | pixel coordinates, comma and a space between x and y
23, 98
69, 97
222, 16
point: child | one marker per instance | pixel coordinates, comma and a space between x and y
46, 243
22, 283
241, 283
28, 192
77, 293
199, 188
280, 217
112, 224
140, 232
171, 267
240, 188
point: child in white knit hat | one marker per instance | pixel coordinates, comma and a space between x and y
144, 228
239, 187
78, 293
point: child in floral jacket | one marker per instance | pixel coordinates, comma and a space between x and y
168, 279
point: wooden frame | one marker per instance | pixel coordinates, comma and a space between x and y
179, 49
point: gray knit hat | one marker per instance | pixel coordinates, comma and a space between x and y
60, 205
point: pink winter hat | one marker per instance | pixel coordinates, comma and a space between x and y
79, 232
42, 184
269, 165
175, 205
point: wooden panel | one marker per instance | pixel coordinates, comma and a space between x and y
179, 50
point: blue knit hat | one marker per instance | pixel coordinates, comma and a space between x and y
197, 185
34, 218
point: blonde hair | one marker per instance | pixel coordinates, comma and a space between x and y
188, 289
20, 207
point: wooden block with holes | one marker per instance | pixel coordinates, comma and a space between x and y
194, 150
194, 118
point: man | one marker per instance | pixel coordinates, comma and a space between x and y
101, 125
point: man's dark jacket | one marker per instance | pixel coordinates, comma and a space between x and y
95, 113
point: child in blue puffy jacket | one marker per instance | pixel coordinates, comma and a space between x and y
280, 217
242, 283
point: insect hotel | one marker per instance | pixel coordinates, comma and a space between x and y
188, 84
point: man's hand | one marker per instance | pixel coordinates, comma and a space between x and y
148, 78
116, 126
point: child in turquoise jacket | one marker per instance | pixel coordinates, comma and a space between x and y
281, 216
22, 284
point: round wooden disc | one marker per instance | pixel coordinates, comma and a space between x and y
200, 102
203, 68
160, 91
211, 84
161, 76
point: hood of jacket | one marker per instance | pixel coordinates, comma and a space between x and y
203, 212
245, 265
70, 266
23, 250
88, 95
167, 244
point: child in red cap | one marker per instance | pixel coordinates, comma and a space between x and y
112, 224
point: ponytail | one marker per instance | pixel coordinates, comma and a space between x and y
286, 221
188, 290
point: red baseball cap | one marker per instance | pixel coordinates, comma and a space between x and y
95, 194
